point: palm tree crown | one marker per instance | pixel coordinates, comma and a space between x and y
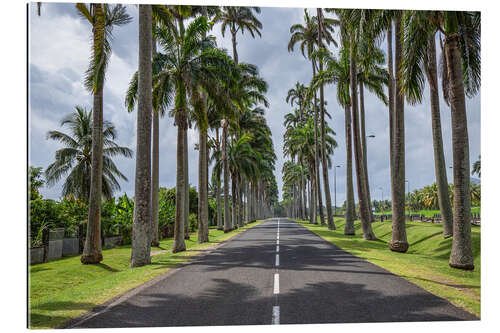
75, 158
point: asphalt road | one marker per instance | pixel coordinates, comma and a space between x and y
275, 273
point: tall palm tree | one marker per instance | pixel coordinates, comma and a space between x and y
337, 71
461, 76
325, 26
160, 15
236, 19
399, 242
141, 236
76, 157
307, 36
350, 20
102, 18
239, 19
191, 62
419, 57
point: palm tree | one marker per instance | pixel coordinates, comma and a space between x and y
75, 159
307, 36
476, 167
419, 55
325, 27
141, 236
160, 15
102, 18
296, 96
239, 19
337, 71
236, 19
191, 62
350, 20
461, 76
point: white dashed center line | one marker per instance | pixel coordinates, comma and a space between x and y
276, 283
277, 260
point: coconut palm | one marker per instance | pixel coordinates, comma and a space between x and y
75, 159
102, 18
141, 236
351, 32
296, 96
337, 72
419, 57
191, 62
325, 28
461, 76
239, 19
307, 36
236, 19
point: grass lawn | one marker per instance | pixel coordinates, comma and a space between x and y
429, 212
425, 263
63, 289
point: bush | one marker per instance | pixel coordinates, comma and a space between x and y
193, 222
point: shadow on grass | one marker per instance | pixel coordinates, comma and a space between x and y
107, 267
36, 269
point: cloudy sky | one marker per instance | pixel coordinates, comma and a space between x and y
60, 48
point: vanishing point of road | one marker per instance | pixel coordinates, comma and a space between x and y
277, 272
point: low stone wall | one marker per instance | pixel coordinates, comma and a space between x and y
36, 255
70, 246
111, 242
55, 243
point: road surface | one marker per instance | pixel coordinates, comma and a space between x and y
275, 273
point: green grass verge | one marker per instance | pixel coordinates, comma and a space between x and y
429, 212
425, 263
64, 289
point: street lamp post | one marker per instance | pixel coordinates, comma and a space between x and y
381, 198
367, 177
335, 188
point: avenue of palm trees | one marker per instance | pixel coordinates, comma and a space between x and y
182, 73
396, 76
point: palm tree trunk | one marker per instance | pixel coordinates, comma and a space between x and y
364, 212
304, 194
314, 219
317, 182
390, 86
349, 216
461, 251
92, 251
234, 209
235, 52
398, 242
439, 162
186, 185
141, 241
326, 182
227, 216
180, 193
202, 187
363, 144
155, 238
220, 225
